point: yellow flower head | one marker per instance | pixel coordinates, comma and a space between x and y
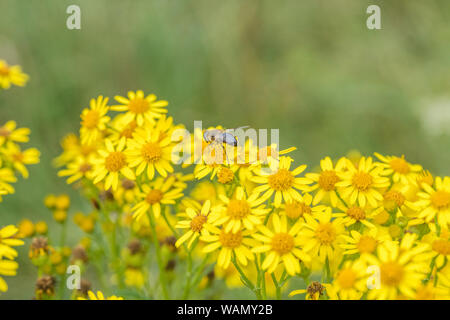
154, 195
111, 164
94, 120
325, 181
283, 183
8, 240
435, 202
242, 212
149, 150
140, 107
99, 296
197, 223
9, 132
362, 184
282, 245
11, 75
400, 170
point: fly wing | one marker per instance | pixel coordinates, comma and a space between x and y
228, 138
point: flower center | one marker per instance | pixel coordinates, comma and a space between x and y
151, 152
129, 129
4, 71
295, 209
115, 161
4, 132
282, 180
18, 157
328, 179
356, 213
225, 175
238, 209
138, 105
391, 273
282, 243
325, 233
230, 240
154, 196
90, 119
440, 199
399, 165
441, 246
346, 278
393, 199
362, 181
85, 167
366, 244
197, 223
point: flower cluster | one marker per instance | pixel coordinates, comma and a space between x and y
359, 227
13, 159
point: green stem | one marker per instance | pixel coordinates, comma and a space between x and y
162, 273
245, 280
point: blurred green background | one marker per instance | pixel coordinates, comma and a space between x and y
310, 68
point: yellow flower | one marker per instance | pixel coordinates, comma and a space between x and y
197, 223
282, 246
355, 214
440, 245
20, 158
160, 192
436, 202
362, 184
134, 277
400, 170
8, 239
402, 267
94, 120
100, 296
443, 286
149, 150
350, 281
321, 235
26, 228
7, 268
363, 243
8, 132
242, 211
78, 169
230, 244
297, 209
6, 177
140, 108
326, 180
11, 75
41, 227
112, 161
283, 183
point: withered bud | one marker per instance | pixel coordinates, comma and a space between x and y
106, 195
128, 184
79, 253
135, 246
39, 243
85, 286
170, 265
45, 285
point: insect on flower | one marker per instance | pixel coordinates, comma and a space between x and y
218, 137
